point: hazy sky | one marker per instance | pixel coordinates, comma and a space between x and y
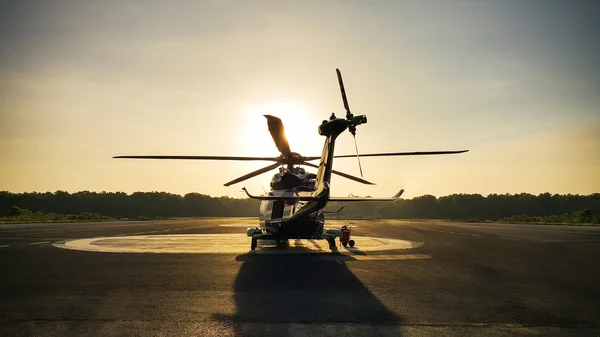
515, 82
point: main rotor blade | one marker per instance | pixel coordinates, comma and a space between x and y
424, 153
201, 158
339, 76
252, 174
278, 133
345, 175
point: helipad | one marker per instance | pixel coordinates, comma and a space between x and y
225, 244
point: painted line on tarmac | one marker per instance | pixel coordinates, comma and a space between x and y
34, 238
77, 227
239, 225
387, 257
4, 246
39, 243
448, 232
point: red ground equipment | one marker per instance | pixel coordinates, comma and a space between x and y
345, 238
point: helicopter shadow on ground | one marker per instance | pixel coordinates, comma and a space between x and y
272, 292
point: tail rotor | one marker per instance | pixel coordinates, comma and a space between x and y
353, 121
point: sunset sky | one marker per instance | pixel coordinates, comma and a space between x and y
515, 82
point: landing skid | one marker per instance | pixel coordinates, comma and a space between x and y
256, 237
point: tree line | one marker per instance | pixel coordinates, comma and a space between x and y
123, 205
518, 207
476, 206
522, 207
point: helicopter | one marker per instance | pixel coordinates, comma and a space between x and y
294, 208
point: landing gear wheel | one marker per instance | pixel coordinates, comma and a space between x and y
351, 243
332, 244
345, 244
253, 244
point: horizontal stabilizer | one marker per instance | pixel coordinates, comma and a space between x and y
394, 198
312, 198
281, 197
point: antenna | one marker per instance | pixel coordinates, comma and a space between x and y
357, 157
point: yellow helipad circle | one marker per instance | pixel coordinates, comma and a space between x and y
224, 244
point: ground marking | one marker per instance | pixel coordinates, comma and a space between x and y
232, 244
39, 243
387, 257
239, 225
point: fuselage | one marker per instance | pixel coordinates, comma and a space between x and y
291, 218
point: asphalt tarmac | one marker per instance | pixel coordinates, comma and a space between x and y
411, 278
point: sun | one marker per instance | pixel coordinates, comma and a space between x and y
300, 129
